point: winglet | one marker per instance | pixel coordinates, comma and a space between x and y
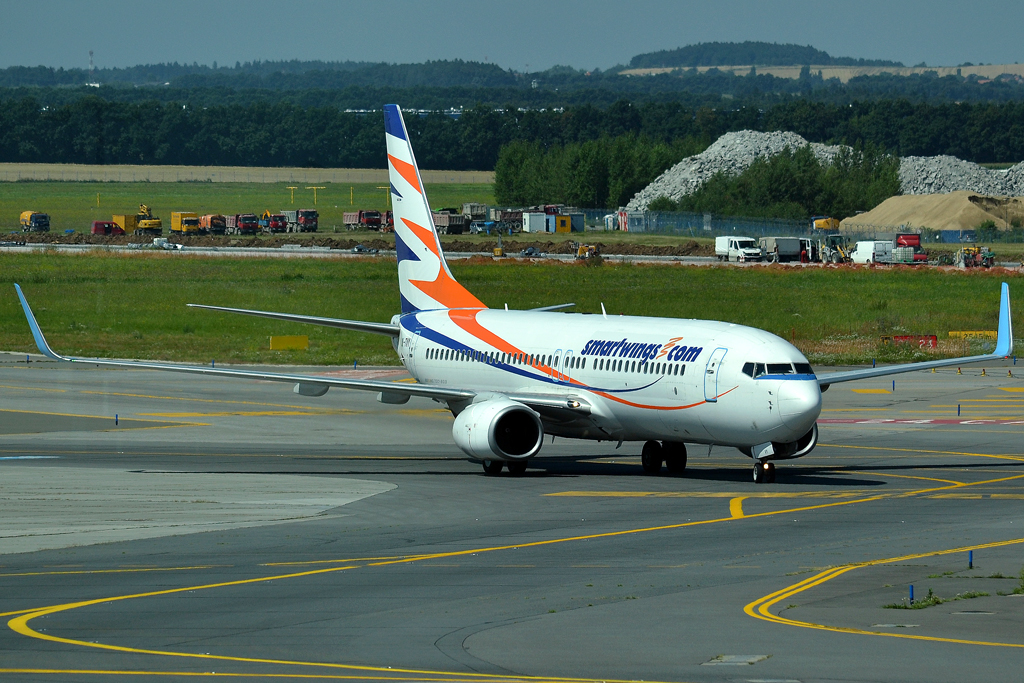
1004, 337
44, 348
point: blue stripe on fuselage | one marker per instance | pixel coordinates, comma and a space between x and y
438, 338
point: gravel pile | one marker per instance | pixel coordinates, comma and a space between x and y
733, 153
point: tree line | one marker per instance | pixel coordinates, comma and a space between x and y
91, 130
747, 52
796, 184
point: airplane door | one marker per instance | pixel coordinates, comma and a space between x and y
711, 375
410, 359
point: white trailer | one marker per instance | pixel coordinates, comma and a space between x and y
535, 222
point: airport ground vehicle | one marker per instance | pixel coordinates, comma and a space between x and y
184, 223
733, 248
33, 221
105, 228
780, 249
449, 223
583, 252
273, 223
302, 220
872, 251
242, 224
510, 377
213, 223
362, 219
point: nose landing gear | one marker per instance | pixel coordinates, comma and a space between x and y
764, 472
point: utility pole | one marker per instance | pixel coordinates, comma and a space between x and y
351, 196
292, 188
315, 188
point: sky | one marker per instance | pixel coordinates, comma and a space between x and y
524, 35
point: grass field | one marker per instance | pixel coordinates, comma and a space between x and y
134, 306
73, 206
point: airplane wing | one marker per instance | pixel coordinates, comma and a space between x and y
311, 382
312, 385
1004, 347
357, 325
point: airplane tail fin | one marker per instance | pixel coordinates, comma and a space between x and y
424, 279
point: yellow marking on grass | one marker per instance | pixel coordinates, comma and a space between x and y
760, 608
736, 507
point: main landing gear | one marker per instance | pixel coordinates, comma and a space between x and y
516, 468
672, 453
764, 472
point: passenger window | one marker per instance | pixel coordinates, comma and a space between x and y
780, 369
803, 368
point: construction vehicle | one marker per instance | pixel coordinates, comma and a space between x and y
974, 257
146, 223
302, 220
213, 223
362, 219
33, 221
273, 223
834, 249
824, 223
242, 224
582, 252
184, 223
106, 228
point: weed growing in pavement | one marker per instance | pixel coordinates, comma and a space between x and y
931, 600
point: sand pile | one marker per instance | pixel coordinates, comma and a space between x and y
960, 210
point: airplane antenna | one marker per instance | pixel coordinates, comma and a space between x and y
506, 307
603, 312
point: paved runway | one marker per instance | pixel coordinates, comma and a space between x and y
233, 528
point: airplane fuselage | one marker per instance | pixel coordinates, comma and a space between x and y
693, 381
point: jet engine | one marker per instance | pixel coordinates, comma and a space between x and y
792, 449
498, 429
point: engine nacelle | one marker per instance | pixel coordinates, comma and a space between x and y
498, 429
793, 449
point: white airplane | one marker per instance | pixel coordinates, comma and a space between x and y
510, 377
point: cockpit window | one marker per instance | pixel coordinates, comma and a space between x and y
753, 369
803, 368
780, 369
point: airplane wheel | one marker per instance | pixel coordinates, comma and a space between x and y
760, 472
675, 456
493, 467
651, 457
517, 468
769, 471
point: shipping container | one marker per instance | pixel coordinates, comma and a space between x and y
534, 222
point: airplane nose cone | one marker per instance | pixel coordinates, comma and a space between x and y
799, 403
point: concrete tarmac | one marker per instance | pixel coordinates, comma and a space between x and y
233, 528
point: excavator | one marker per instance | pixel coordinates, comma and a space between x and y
147, 223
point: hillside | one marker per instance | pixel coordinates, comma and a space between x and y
749, 52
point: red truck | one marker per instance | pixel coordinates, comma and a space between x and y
913, 240
302, 220
362, 219
106, 228
242, 224
274, 223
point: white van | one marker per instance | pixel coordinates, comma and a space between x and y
732, 248
872, 252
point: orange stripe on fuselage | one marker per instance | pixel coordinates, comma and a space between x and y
407, 171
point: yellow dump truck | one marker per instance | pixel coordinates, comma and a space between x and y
184, 223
